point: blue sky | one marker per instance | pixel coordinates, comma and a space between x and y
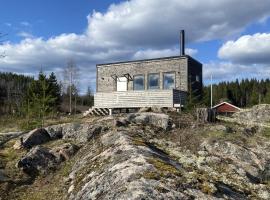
230, 39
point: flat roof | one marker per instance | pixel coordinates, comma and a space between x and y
143, 60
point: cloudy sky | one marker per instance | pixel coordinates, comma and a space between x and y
230, 37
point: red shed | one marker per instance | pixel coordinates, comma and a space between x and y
226, 108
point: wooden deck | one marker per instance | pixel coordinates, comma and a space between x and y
139, 99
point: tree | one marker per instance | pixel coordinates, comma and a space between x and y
54, 90
71, 76
40, 100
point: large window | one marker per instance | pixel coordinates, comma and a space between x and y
168, 80
153, 81
138, 82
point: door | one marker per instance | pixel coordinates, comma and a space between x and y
121, 84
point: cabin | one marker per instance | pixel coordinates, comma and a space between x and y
160, 82
225, 108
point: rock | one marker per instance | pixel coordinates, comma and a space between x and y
265, 174
3, 177
121, 122
36, 137
250, 131
155, 119
144, 109
55, 131
157, 109
81, 132
65, 151
218, 127
257, 114
18, 144
38, 159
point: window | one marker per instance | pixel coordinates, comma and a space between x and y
138, 82
153, 81
197, 78
168, 80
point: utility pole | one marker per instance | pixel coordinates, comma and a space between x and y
211, 92
70, 85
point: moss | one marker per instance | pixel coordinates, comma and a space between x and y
207, 188
138, 141
151, 175
165, 169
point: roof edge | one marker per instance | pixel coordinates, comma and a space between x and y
226, 103
142, 60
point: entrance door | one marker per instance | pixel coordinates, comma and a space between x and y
121, 84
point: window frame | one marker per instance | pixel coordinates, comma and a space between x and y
148, 79
143, 75
170, 72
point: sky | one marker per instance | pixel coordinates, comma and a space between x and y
230, 37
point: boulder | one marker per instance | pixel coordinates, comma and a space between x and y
250, 131
81, 132
148, 118
144, 109
121, 122
55, 131
65, 151
36, 137
38, 159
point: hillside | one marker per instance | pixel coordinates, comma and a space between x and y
138, 156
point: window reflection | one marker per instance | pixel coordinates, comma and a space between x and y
138, 82
153, 81
169, 80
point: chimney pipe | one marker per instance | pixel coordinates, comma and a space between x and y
182, 43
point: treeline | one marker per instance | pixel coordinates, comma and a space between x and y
23, 96
244, 93
12, 92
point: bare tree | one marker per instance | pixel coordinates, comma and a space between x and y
71, 76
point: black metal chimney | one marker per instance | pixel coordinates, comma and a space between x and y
182, 43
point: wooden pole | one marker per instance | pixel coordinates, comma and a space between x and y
211, 93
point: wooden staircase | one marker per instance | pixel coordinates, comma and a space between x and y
97, 112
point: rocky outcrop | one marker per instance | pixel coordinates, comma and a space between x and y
35, 137
75, 131
257, 116
258, 113
65, 151
38, 160
118, 168
42, 160
160, 120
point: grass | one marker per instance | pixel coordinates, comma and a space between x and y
13, 123
266, 133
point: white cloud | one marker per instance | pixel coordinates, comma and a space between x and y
157, 53
8, 24
25, 23
227, 71
24, 34
248, 49
157, 22
133, 29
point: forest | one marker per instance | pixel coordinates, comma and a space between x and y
23, 96
243, 93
